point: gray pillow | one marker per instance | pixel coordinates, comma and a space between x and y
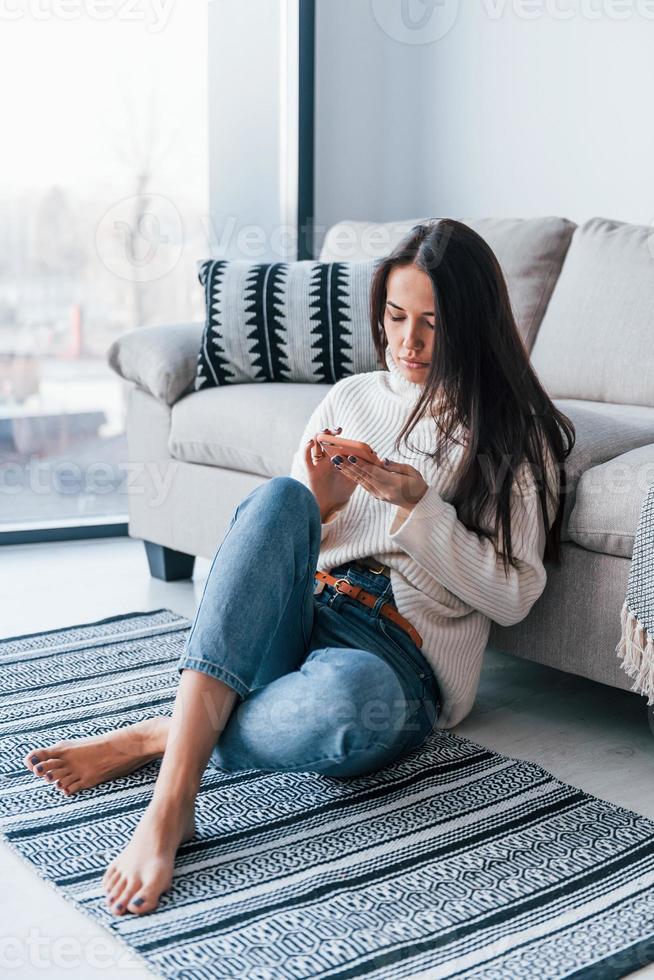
304, 321
595, 341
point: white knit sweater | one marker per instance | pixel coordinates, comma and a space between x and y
447, 580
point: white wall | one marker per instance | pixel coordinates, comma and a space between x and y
502, 115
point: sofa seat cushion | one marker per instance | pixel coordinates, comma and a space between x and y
254, 428
609, 500
604, 431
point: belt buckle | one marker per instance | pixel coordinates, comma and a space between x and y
375, 571
337, 591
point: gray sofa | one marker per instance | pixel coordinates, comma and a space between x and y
584, 302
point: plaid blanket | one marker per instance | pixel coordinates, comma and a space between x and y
636, 646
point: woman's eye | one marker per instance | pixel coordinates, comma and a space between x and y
395, 318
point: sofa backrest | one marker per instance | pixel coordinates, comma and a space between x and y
530, 250
596, 340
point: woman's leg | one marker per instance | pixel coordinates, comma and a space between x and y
135, 879
252, 625
356, 703
345, 712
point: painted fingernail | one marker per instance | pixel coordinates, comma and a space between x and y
337, 460
48, 775
118, 905
34, 758
39, 768
352, 459
138, 901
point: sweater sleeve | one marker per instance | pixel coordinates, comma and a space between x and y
468, 565
322, 417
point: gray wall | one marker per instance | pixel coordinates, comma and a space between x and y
509, 107
244, 127
501, 115
368, 118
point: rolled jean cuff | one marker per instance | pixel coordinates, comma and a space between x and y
206, 667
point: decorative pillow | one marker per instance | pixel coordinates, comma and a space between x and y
285, 321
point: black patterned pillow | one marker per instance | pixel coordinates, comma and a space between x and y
284, 321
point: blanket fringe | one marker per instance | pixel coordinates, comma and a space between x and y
636, 650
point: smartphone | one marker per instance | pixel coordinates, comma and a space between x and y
351, 447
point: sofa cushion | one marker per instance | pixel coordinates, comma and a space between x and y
257, 428
608, 502
284, 321
253, 428
604, 431
161, 359
530, 250
595, 341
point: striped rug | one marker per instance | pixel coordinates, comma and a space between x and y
454, 862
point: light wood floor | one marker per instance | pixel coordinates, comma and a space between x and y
587, 734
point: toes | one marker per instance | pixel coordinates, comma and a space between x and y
141, 903
122, 897
66, 780
73, 787
40, 761
34, 758
131, 892
109, 877
50, 769
116, 889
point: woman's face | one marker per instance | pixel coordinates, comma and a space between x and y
409, 319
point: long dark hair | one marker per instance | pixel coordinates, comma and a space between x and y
481, 368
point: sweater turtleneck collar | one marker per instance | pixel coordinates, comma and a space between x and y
397, 382
405, 389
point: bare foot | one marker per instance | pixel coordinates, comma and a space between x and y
135, 880
83, 762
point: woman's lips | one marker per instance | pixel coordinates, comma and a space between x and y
413, 364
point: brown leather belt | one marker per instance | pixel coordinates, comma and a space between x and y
369, 599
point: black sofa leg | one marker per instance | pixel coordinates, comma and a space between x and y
168, 564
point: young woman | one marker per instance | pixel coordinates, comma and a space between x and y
281, 674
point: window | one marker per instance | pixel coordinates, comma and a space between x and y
103, 205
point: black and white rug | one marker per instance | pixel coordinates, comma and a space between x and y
454, 862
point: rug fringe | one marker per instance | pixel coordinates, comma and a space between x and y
636, 651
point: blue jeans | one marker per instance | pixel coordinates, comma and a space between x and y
326, 684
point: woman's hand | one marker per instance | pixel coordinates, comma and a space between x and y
395, 483
331, 488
